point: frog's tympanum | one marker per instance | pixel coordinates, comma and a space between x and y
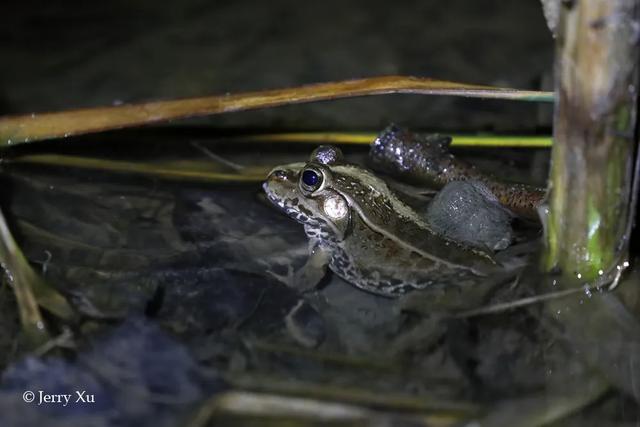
359, 228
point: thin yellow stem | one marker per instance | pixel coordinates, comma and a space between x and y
168, 171
364, 138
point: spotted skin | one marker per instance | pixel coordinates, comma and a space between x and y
380, 245
383, 278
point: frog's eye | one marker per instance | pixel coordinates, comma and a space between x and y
310, 179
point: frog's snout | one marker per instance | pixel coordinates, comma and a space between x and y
279, 181
276, 177
278, 174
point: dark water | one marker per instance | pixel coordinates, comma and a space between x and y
180, 305
184, 321
70, 55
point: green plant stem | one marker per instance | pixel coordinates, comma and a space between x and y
594, 138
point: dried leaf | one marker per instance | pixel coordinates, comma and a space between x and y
32, 127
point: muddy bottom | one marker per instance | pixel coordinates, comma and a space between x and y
184, 320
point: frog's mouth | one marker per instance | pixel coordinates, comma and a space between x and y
290, 206
281, 189
280, 186
273, 196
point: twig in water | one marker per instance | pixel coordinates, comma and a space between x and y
216, 158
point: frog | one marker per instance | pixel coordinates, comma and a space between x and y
426, 161
363, 232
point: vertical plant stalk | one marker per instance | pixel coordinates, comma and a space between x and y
30, 290
20, 276
594, 136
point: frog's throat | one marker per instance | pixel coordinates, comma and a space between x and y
339, 229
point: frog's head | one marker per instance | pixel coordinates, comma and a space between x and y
305, 192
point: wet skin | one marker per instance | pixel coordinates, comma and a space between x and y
359, 229
427, 161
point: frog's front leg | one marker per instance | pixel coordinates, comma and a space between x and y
314, 269
308, 276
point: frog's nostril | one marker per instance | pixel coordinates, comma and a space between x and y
279, 173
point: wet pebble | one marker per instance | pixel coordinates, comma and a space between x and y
468, 212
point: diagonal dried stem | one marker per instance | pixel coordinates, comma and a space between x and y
31, 127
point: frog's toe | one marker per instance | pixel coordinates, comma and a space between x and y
301, 280
287, 279
502, 243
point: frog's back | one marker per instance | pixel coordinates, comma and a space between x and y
397, 222
376, 263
